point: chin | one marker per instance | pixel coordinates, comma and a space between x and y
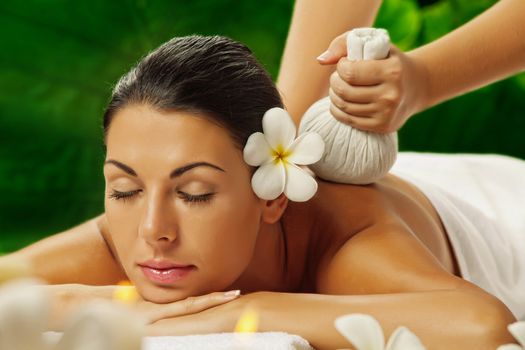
161, 295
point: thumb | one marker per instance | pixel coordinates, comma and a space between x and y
336, 50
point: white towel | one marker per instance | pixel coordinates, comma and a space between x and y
228, 341
218, 341
481, 201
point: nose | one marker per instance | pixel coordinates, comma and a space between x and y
158, 225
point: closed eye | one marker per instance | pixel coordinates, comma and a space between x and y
119, 195
187, 197
196, 198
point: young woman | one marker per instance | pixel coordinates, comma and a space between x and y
184, 225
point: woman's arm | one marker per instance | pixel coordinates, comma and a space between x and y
315, 23
486, 49
80, 255
68, 299
383, 271
442, 319
386, 272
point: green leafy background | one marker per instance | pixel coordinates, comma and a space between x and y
59, 59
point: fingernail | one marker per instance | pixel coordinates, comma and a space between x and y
324, 56
232, 294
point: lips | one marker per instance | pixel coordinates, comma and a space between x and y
165, 271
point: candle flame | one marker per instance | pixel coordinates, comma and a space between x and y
126, 293
248, 322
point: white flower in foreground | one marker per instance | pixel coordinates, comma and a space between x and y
100, 325
277, 154
517, 329
365, 333
23, 314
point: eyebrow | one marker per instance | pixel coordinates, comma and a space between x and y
175, 173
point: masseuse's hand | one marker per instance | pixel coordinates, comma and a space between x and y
374, 95
153, 312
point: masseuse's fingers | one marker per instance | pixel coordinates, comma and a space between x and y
393, 87
362, 73
154, 312
335, 51
355, 94
364, 116
363, 109
353, 120
390, 87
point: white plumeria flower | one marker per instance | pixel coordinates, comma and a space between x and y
24, 311
100, 325
517, 329
277, 154
365, 333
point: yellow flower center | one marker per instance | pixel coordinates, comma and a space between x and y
280, 154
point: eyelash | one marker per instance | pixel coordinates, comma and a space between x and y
188, 198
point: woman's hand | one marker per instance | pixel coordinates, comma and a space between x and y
66, 299
153, 312
222, 317
374, 95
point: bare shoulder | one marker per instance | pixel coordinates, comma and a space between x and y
78, 255
368, 246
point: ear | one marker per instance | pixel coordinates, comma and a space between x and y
274, 209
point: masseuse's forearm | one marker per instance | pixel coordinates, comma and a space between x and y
488, 48
315, 23
443, 320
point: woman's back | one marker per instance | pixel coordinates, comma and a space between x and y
338, 212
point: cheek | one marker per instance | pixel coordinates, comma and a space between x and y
230, 232
122, 227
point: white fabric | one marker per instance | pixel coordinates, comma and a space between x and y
367, 44
228, 341
218, 341
481, 201
352, 156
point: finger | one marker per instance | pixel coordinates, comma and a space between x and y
362, 73
192, 305
393, 65
358, 122
361, 109
335, 51
394, 51
355, 94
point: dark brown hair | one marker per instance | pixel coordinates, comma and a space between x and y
214, 76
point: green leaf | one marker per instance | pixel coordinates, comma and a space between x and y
446, 15
59, 61
402, 19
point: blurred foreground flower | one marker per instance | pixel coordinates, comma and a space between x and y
365, 333
517, 329
100, 325
24, 311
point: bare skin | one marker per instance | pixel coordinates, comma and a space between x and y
381, 95
379, 249
302, 80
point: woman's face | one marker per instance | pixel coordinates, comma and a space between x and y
181, 212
